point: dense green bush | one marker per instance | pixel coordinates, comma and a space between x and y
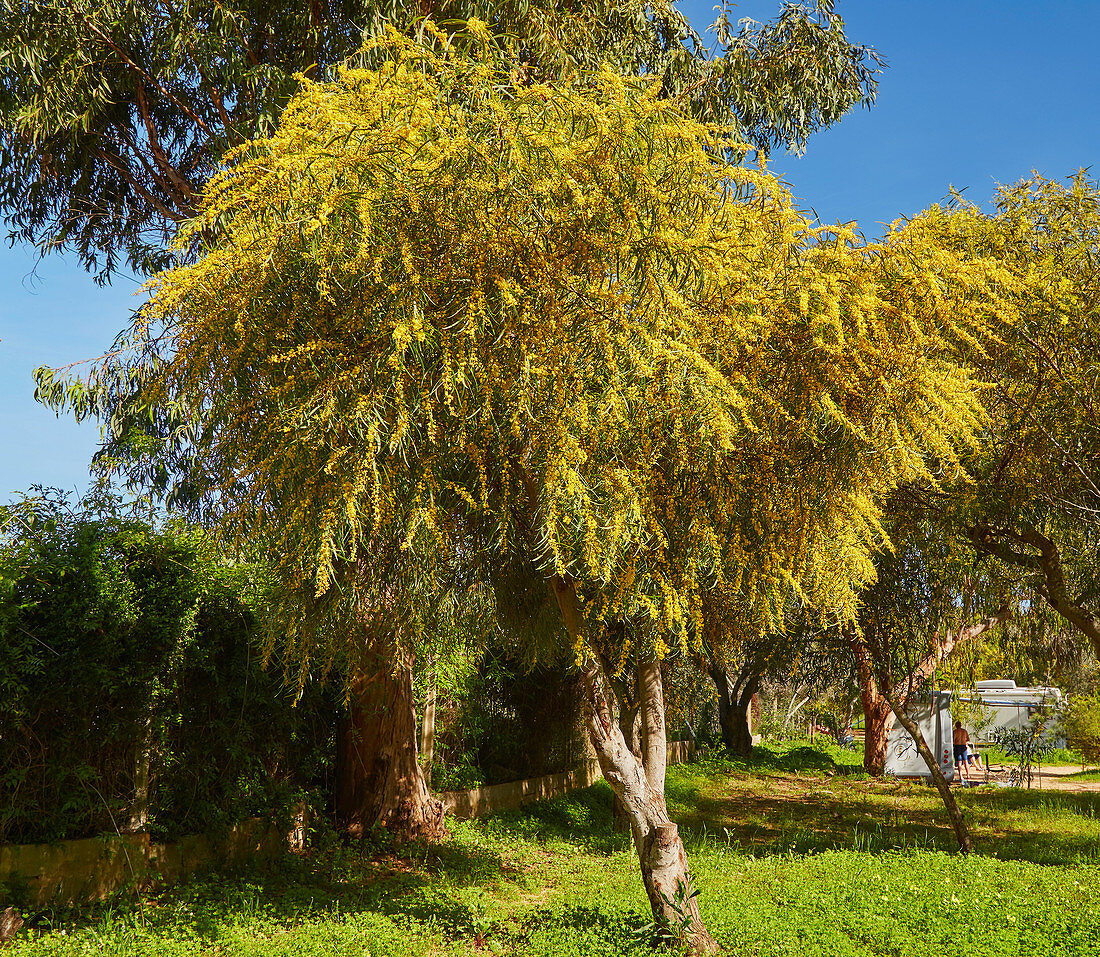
500, 718
131, 688
1081, 721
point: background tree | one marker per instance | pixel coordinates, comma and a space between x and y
1081, 721
737, 655
131, 692
928, 600
114, 115
1035, 501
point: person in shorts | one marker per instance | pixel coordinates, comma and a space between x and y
961, 740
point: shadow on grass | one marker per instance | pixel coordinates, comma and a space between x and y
290, 888
1089, 774
582, 818
794, 760
776, 803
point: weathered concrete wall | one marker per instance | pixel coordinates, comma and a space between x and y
480, 802
99, 867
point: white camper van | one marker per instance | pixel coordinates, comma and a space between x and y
1003, 705
933, 716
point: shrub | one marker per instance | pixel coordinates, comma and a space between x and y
131, 688
1081, 720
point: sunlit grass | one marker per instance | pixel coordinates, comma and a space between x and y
797, 852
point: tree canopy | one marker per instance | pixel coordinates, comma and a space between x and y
556, 312
113, 115
1034, 495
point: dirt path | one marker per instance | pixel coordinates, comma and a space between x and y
1060, 779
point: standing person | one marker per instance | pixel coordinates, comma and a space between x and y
961, 739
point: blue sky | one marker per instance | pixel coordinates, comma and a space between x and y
975, 93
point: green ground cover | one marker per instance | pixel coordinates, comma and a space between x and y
796, 851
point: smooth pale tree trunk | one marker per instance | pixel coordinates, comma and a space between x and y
640, 785
624, 688
954, 813
630, 728
427, 733
379, 778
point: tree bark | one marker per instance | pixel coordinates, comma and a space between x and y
733, 711
139, 806
379, 779
954, 812
640, 786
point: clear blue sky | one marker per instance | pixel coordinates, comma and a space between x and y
975, 93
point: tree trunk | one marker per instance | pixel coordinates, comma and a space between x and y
629, 727
878, 719
733, 711
962, 834
427, 733
139, 806
379, 779
640, 786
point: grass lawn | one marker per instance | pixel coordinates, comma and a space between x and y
797, 852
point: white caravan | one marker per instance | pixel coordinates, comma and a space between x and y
903, 760
1002, 705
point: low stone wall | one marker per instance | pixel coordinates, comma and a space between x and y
97, 868
483, 801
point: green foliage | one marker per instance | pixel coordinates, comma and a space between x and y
125, 647
113, 115
642, 369
1081, 721
507, 720
1034, 500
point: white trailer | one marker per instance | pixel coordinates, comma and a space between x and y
933, 717
1000, 704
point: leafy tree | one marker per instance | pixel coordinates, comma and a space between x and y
137, 103
1081, 720
737, 655
928, 601
1035, 501
548, 327
925, 603
114, 115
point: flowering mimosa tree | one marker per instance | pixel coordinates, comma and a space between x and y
451, 311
